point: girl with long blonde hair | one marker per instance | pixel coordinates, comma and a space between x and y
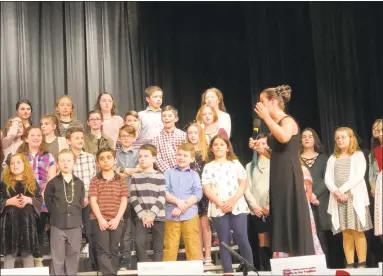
349, 202
20, 203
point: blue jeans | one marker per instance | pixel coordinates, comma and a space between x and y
238, 224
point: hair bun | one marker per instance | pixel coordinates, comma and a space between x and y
284, 91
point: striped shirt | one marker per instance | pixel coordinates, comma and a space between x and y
108, 194
85, 168
64, 127
167, 145
147, 195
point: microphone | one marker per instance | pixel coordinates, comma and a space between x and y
256, 127
244, 263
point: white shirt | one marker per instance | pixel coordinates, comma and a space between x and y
355, 183
224, 121
224, 180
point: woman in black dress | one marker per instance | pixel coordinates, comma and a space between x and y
291, 229
20, 203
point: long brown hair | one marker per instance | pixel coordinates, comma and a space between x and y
199, 116
24, 147
230, 155
58, 102
221, 104
353, 147
97, 106
317, 142
202, 145
9, 124
28, 176
53, 120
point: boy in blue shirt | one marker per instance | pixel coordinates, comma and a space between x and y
183, 191
126, 166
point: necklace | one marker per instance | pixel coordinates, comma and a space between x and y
66, 198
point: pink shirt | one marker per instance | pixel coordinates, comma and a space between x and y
112, 127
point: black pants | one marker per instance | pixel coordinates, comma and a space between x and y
141, 238
41, 222
88, 234
107, 247
127, 237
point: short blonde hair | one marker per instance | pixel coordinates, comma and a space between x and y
151, 89
353, 147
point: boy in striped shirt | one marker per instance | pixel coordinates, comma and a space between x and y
147, 197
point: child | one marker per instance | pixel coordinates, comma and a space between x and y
126, 166
85, 169
13, 132
148, 199
150, 118
349, 202
96, 139
112, 122
308, 181
224, 183
208, 118
169, 139
65, 114
108, 194
183, 191
54, 143
64, 197
195, 136
24, 112
44, 169
214, 98
20, 203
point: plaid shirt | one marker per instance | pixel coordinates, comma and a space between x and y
85, 168
40, 165
167, 145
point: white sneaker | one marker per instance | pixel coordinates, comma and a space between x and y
85, 249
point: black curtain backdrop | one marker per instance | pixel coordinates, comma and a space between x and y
328, 52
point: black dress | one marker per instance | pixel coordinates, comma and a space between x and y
198, 165
18, 229
291, 226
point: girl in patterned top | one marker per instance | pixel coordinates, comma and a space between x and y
349, 202
194, 135
224, 183
44, 169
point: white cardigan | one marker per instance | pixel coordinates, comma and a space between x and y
356, 184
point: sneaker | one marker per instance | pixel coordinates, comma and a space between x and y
208, 262
85, 249
38, 262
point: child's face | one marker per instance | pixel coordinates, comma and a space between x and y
155, 100
132, 121
16, 165
193, 135
66, 162
207, 116
168, 119
145, 159
307, 139
35, 138
47, 127
219, 148
342, 139
24, 111
106, 161
64, 107
20, 128
126, 139
76, 140
211, 99
106, 103
183, 158
95, 121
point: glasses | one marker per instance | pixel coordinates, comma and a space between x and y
95, 120
344, 137
126, 136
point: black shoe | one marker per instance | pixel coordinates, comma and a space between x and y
349, 266
362, 265
126, 263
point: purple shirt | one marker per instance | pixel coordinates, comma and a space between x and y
182, 185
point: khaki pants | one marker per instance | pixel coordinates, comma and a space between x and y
189, 229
